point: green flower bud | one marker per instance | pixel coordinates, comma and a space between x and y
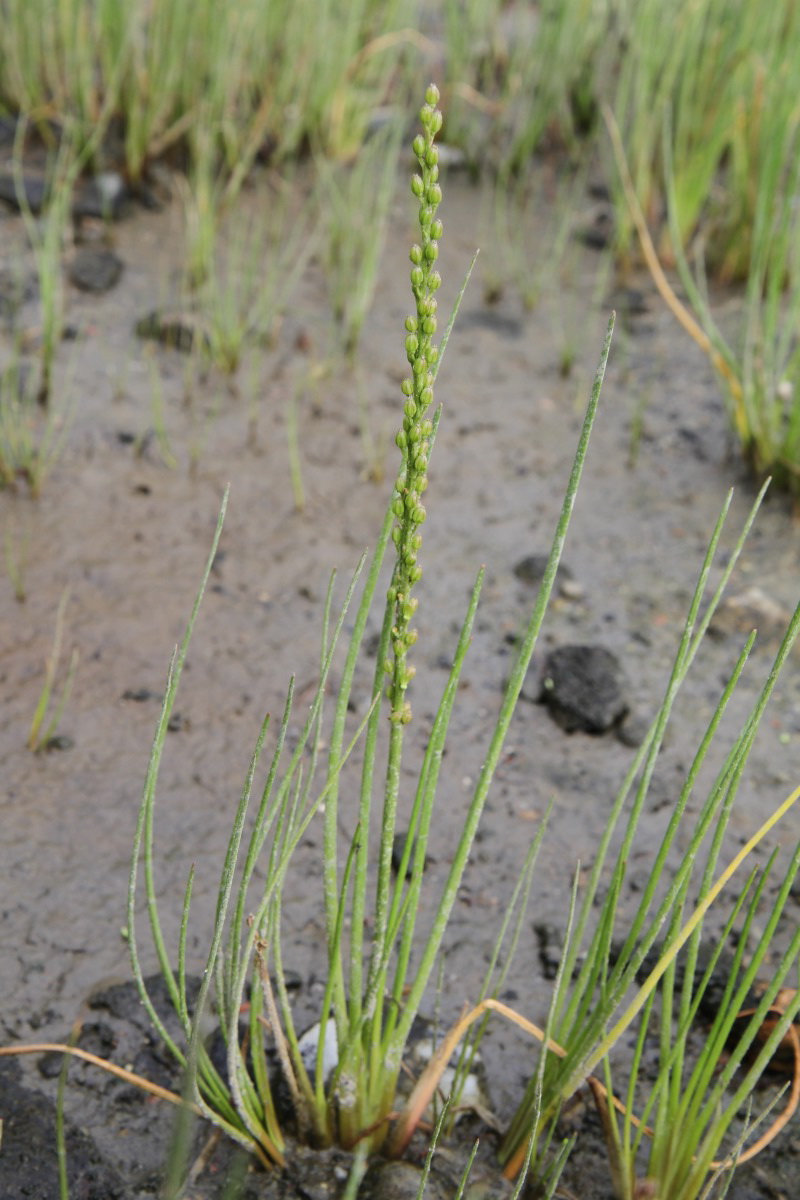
388, 666
411, 324
412, 344
436, 122
415, 433
405, 714
407, 387
426, 397
433, 173
432, 94
417, 186
433, 354
437, 229
415, 254
396, 533
426, 114
410, 673
417, 277
410, 607
431, 251
401, 441
411, 636
409, 556
434, 194
418, 145
398, 508
418, 515
426, 429
421, 463
411, 501
434, 281
410, 408
429, 326
415, 574
425, 216
419, 366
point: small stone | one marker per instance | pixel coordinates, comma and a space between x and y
178, 330
105, 196
632, 730
398, 1181
583, 688
34, 192
532, 567
95, 270
748, 610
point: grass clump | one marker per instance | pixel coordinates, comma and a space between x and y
373, 990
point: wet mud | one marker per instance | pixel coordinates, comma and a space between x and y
151, 438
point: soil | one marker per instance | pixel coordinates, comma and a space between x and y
123, 525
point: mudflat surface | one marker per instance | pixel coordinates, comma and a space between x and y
124, 523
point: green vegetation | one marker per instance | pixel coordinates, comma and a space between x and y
702, 95
705, 191
347, 1092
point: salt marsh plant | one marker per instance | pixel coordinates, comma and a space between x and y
759, 367
373, 991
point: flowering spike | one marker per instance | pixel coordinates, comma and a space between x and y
412, 440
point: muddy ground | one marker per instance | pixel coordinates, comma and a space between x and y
123, 525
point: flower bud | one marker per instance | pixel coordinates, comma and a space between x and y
412, 344
434, 195
419, 366
433, 354
407, 387
415, 254
398, 508
437, 229
426, 114
429, 326
411, 323
411, 636
418, 515
436, 122
426, 397
426, 429
434, 281
418, 145
410, 408
417, 277
411, 501
432, 94
415, 574
401, 441
388, 666
417, 186
431, 251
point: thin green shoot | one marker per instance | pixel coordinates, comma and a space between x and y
41, 734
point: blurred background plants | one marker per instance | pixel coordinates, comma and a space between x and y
702, 93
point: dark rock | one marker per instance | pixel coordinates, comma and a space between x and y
34, 191
180, 331
532, 567
551, 947
95, 270
599, 234
583, 688
398, 847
